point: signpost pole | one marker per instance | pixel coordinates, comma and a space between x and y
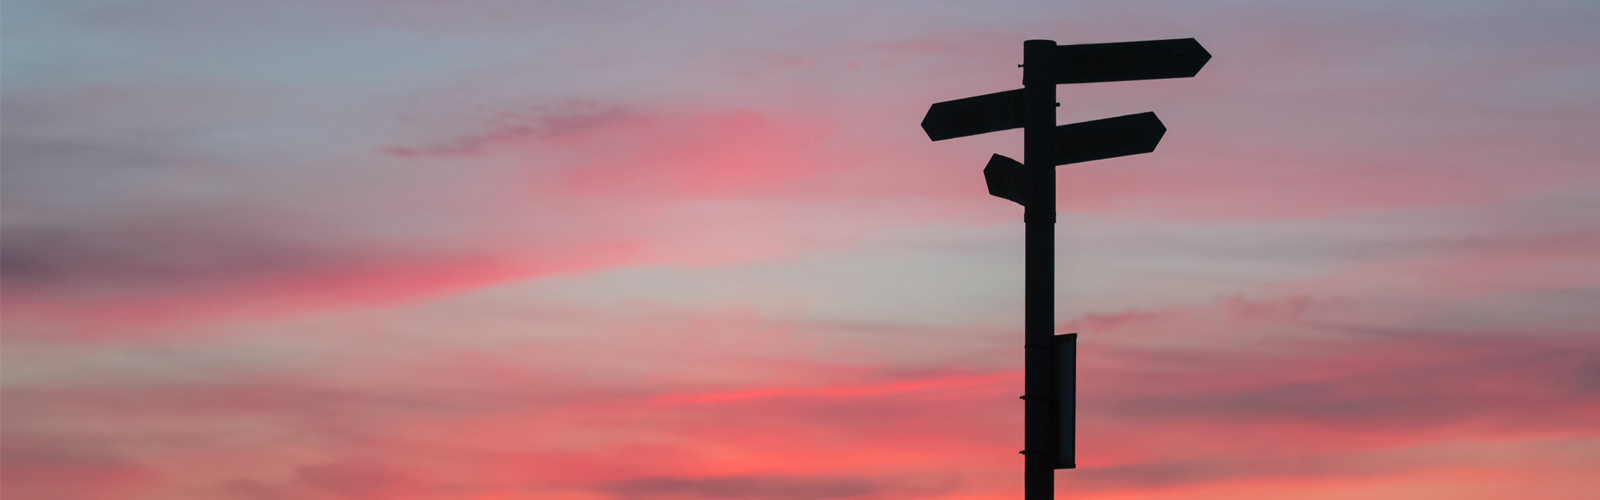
1049, 418
1039, 217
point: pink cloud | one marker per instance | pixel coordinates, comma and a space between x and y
1347, 409
585, 205
738, 153
844, 392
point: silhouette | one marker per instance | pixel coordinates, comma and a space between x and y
1050, 372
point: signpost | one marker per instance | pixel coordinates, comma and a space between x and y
1050, 369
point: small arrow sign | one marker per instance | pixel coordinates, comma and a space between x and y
1107, 138
974, 115
1007, 178
1112, 62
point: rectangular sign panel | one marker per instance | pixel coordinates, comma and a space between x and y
1108, 138
1067, 401
1112, 62
974, 115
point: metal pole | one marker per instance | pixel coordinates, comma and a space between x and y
1040, 417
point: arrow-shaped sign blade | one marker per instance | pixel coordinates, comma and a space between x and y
1108, 138
974, 115
1113, 62
1007, 178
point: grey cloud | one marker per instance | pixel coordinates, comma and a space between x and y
217, 258
759, 487
1407, 381
47, 256
152, 254
46, 466
1179, 473
355, 480
510, 127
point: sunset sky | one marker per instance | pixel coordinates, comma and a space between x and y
701, 250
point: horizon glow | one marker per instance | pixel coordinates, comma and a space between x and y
701, 250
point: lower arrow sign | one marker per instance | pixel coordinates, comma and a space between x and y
1078, 143
1108, 138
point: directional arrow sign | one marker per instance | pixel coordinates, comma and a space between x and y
1108, 138
1112, 62
1007, 178
974, 115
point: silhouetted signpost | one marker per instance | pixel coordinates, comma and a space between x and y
1051, 360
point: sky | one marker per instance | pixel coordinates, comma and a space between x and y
701, 250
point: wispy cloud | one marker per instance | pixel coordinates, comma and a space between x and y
519, 127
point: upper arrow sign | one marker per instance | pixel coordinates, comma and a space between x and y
974, 115
1108, 138
1112, 62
